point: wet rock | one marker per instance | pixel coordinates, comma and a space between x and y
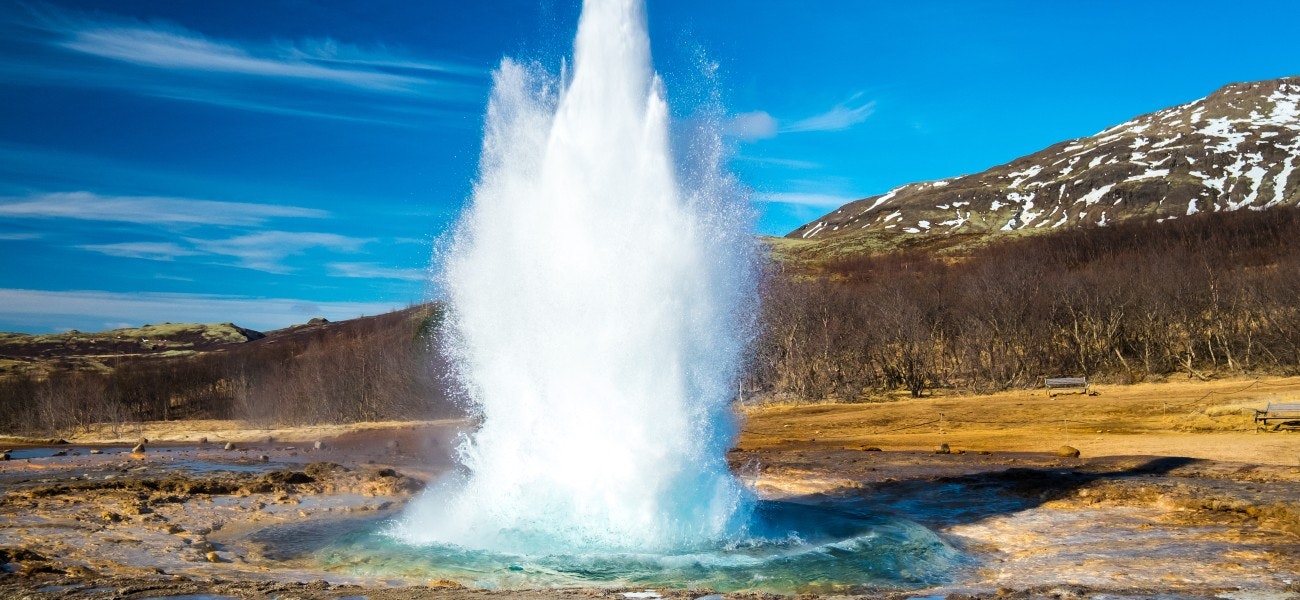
942, 449
318, 445
18, 555
138, 449
60, 453
264, 458
230, 446
445, 584
279, 479
323, 470
1068, 451
4, 456
387, 482
96, 451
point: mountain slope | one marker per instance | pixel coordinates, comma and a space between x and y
1238, 148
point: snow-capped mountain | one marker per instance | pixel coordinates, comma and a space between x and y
1238, 148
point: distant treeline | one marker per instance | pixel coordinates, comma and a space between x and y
1202, 295
366, 369
1199, 296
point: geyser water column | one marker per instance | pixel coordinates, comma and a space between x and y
601, 293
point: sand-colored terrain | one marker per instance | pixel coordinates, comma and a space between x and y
1175, 494
1205, 420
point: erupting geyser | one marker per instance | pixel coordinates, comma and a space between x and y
601, 294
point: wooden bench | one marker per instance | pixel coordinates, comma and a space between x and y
1065, 383
1277, 411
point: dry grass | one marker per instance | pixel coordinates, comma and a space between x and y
1211, 420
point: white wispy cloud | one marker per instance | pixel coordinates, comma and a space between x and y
265, 250
19, 237
163, 251
147, 210
802, 199
760, 125
839, 118
178, 49
46, 309
375, 271
751, 126
309, 78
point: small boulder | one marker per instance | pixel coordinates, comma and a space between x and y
318, 445
138, 449
230, 445
60, 453
96, 451
4, 455
213, 557
871, 449
142, 441
1068, 452
203, 441
264, 458
942, 449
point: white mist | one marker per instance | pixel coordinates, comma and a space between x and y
601, 294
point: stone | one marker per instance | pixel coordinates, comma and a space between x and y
264, 458
318, 445
230, 445
213, 557
203, 441
138, 449
4, 456
142, 441
942, 449
872, 449
96, 451
1068, 452
60, 453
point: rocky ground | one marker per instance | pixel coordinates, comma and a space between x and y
1192, 519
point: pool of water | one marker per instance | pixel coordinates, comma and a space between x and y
793, 548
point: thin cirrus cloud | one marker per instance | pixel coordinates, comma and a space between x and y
839, 118
376, 271
183, 50
266, 250
43, 309
163, 60
263, 251
147, 210
162, 251
760, 125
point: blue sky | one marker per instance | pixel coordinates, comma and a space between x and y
264, 162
